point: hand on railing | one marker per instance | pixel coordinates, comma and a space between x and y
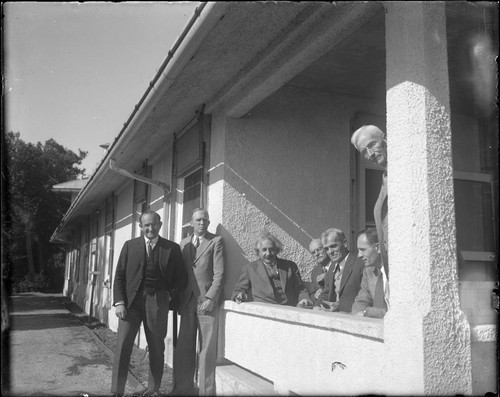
241, 297
305, 303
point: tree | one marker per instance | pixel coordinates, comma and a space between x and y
34, 209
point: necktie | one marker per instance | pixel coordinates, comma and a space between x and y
150, 249
336, 271
275, 269
196, 242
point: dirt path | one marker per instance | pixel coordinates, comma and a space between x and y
53, 352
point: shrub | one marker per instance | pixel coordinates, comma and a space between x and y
32, 283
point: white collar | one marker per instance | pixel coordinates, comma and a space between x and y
153, 241
341, 263
199, 237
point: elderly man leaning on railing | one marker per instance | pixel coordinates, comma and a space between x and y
270, 279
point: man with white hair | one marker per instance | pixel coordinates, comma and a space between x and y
371, 143
270, 279
319, 271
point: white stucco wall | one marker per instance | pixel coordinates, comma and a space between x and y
304, 351
122, 233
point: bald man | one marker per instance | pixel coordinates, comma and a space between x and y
371, 143
319, 271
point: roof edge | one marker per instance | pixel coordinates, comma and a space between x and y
204, 19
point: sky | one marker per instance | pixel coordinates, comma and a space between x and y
74, 71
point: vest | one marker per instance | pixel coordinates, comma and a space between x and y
153, 280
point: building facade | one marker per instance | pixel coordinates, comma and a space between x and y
250, 116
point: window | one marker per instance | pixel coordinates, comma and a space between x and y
189, 158
370, 182
108, 241
86, 254
77, 257
474, 213
191, 198
139, 208
141, 199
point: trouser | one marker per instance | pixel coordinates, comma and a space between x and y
152, 311
203, 324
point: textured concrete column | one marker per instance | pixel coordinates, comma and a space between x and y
216, 168
427, 337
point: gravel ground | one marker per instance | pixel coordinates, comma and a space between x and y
139, 362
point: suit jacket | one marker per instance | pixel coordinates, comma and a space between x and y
132, 263
255, 282
371, 293
350, 283
381, 222
205, 268
312, 286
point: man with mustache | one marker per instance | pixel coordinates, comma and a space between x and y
148, 269
270, 279
319, 271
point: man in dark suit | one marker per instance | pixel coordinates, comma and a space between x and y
148, 268
203, 254
373, 297
271, 279
317, 283
343, 279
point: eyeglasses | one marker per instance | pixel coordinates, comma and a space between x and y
318, 251
369, 149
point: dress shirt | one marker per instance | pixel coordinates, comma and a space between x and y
194, 240
386, 286
338, 275
272, 269
153, 242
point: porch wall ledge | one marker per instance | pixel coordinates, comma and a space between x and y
303, 351
339, 322
484, 333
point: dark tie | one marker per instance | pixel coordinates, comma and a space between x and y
150, 249
275, 270
379, 298
336, 271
